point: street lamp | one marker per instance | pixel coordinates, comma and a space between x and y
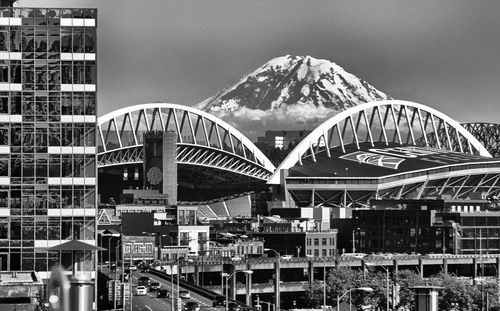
363, 289
278, 277
387, 271
227, 276
178, 263
324, 283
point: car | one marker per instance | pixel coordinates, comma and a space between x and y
233, 306
133, 268
353, 255
236, 258
191, 306
141, 291
286, 257
144, 281
154, 286
184, 294
219, 301
162, 293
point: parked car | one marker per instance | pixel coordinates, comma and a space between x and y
286, 257
184, 294
144, 281
133, 268
353, 255
233, 306
154, 286
162, 293
141, 291
191, 306
219, 301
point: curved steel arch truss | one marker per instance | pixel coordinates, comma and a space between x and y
202, 139
391, 121
488, 134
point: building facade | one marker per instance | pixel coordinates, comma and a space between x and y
47, 135
138, 248
321, 243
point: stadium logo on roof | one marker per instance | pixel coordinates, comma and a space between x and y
374, 159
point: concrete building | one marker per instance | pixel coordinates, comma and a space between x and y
321, 243
427, 226
138, 247
48, 138
20, 291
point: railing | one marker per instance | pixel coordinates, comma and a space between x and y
369, 258
202, 291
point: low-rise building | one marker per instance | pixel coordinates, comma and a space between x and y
427, 226
321, 243
22, 290
138, 247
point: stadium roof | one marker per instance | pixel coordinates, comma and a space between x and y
382, 160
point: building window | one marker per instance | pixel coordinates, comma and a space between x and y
323, 241
127, 248
308, 252
308, 242
136, 248
316, 242
316, 253
278, 142
323, 252
184, 238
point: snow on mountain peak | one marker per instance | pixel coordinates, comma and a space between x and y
290, 92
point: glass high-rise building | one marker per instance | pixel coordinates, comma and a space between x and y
47, 137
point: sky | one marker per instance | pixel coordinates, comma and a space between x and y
444, 54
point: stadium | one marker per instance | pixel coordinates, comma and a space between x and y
385, 150
217, 166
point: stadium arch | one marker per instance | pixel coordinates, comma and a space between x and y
388, 119
386, 149
206, 145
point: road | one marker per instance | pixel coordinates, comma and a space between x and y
151, 303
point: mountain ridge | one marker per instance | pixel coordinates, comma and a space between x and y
289, 92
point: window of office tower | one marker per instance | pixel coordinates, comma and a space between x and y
47, 133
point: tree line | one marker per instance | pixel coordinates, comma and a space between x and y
457, 294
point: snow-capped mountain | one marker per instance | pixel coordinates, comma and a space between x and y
289, 92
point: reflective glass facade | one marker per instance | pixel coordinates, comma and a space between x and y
47, 136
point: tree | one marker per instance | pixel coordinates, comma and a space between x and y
406, 280
456, 294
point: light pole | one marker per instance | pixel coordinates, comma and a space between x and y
227, 276
387, 281
178, 261
363, 289
278, 277
324, 283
